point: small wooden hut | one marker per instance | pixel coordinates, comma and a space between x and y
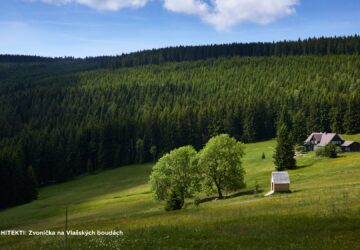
280, 182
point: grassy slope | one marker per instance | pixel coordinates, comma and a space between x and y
322, 213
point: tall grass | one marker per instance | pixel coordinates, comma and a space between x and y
323, 212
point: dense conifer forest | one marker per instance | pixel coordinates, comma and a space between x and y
62, 117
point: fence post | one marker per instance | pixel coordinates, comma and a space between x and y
66, 224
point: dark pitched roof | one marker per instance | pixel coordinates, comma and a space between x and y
280, 177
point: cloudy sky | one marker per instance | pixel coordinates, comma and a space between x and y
109, 27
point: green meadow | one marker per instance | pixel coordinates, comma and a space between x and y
322, 212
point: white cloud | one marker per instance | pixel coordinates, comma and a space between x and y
224, 14
186, 6
102, 5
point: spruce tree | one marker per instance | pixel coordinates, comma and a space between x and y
299, 128
248, 127
31, 184
139, 148
153, 153
284, 153
352, 116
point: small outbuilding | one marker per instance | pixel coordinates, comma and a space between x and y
350, 146
280, 182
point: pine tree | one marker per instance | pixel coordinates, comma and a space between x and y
248, 127
7, 184
299, 131
352, 116
89, 166
284, 153
336, 115
139, 148
31, 184
153, 153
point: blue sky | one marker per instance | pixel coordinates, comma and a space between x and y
108, 27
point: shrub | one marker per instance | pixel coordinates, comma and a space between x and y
330, 150
263, 156
320, 151
256, 188
175, 201
197, 201
300, 149
339, 150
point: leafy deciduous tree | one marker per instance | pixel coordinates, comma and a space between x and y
220, 164
174, 174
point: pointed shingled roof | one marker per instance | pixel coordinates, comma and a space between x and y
327, 138
323, 138
317, 137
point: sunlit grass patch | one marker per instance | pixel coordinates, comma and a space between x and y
322, 212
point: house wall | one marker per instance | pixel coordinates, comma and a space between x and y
312, 146
281, 187
309, 147
355, 147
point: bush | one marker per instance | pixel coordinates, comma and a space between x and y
300, 149
330, 150
320, 151
175, 201
197, 201
256, 188
339, 150
263, 156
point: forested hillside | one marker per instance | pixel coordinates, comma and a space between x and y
312, 46
62, 118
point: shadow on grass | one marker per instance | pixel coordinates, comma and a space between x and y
304, 166
246, 192
316, 158
340, 155
241, 193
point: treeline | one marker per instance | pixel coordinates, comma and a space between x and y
343, 45
6, 58
312, 46
59, 123
20, 59
24, 59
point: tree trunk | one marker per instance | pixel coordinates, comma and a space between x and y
219, 192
